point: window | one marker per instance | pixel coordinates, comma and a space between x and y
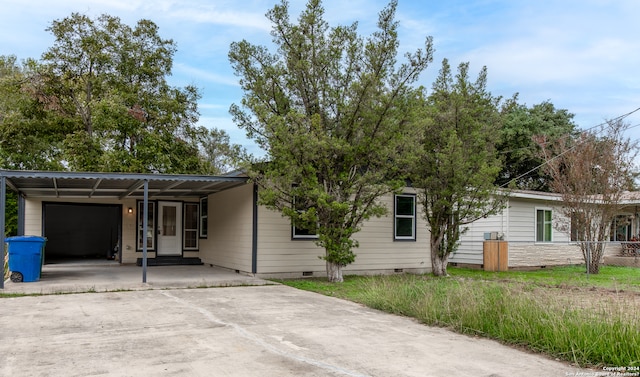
190, 226
151, 223
578, 228
405, 217
298, 232
621, 228
543, 225
204, 217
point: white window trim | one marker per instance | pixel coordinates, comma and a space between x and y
203, 231
150, 226
535, 225
412, 217
184, 226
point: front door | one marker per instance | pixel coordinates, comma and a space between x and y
169, 228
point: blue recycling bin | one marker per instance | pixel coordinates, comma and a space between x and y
26, 255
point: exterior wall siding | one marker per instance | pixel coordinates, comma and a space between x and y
230, 229
471, 242
280, 255
518, 224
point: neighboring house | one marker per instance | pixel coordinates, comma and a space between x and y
537, 232
199, 219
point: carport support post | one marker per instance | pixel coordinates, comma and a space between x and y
3, 197
145, 217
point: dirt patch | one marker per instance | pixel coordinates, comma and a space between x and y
598, 300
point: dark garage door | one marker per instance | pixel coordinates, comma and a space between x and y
80, 231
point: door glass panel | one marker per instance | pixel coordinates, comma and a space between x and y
169, 221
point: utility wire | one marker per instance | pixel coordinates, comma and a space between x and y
570, 149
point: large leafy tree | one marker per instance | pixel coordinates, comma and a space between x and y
99, 100
457, 162
109, 81
592, 171
516, 144
30, 135
332, 111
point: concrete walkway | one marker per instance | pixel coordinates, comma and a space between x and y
103, 275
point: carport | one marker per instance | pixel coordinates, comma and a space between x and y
90, 186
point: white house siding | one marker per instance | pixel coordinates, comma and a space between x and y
33, 217
280, 255
518, 224
471, 242
229, 240
33, 221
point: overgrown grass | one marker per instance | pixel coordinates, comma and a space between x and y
610, 277
513, 311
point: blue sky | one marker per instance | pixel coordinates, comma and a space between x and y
582, 55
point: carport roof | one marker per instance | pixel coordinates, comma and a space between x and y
116, 185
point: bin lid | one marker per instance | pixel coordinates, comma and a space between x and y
25, 239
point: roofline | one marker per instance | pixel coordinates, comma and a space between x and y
105, 175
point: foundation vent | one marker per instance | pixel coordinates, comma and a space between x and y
398, 270
307, 273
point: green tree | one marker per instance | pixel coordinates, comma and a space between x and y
219, 155
457, 163
109, 80
332, 111
30, 137
521, 124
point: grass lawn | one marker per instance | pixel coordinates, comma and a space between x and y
587, 320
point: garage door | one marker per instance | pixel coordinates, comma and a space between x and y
81, 231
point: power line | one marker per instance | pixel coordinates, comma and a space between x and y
618, 118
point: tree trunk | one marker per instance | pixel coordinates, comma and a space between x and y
592, 253
334, 273
439, 263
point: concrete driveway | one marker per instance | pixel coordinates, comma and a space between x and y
268, 330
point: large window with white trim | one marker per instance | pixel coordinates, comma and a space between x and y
544, 225
405, 217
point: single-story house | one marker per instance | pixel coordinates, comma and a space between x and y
538, 234
216, 220
191, 219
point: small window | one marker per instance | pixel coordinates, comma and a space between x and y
543, 225
298, 232
405, 217
190, 227
151, 222
204, 217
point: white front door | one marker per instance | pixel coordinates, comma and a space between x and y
170, 228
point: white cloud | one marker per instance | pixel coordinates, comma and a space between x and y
200, 75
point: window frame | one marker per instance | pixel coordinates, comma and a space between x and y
195, 231
304, 234
203, 218
544, 224
151, 225
628, 228
397, 217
